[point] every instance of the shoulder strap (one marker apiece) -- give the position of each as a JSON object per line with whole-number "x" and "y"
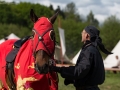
{"x": 10, "y": 58}
{"x": 20, "y": 42}
{"x": 12, "y": 54}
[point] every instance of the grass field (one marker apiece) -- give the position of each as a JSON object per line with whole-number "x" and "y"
{"x": 112, "y": 82}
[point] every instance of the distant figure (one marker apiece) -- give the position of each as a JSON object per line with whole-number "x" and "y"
{"x": 118, "y": 63}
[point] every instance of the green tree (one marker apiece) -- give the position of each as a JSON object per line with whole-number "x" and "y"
{"x": 14, "y": 18}
{"x": 7, "y": 29}
{"x": 91, "y": 20}
{"x": 19, "y": 13}
{"x": 71, "y": 12}
{"x": 22, "y": 10}
{"x": 51, "y": 7}
{"x": 110, "y": 32}
{"x": 5, "y": 13}
{"x": 61, "y": 13}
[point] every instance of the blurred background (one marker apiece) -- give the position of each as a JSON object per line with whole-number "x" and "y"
{"x": 73, "y": 17}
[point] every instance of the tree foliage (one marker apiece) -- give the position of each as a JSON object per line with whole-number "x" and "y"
{"x": 91, "y": 20}
{"x": 14, "y": 18}
{"x": 7, "y": 29}
{"x": 110, "y": 32}
{"x": 71, "y": 12}
{"x": 61, "y": 13}
{"x": 19, "y": 13}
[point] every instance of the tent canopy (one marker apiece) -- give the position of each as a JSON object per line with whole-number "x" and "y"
{"x": 74, "y": 60}
{"x": 2, "y": 40}
{"x": 12, "y": 36}
{"x": 111, "y": 60}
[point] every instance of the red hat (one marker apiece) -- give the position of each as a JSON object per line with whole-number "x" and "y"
{"x": 42, "y": 39}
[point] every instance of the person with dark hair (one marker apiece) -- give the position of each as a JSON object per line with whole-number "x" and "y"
{"x": 89, "y": 71}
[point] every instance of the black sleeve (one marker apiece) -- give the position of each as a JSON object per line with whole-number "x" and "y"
{"x": 81, "y": 69}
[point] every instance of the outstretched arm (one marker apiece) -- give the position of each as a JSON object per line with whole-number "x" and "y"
{"x": 80, "y": 70}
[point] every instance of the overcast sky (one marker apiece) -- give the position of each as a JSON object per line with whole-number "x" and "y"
{"x": 100, "y": 8}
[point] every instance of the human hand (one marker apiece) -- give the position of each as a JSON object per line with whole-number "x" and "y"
{"x": 56, "y": 69}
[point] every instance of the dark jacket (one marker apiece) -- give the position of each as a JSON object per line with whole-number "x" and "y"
{"x": 89, "y": 69}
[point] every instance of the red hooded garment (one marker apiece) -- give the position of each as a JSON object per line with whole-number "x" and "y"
{"x": 40, "y": 27}
{"x": 26, "y": 77}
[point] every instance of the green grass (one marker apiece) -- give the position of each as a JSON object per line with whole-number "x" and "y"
{"x": 112, "y": 82}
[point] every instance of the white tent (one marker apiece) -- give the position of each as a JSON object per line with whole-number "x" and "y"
{"x": 74, "y": 60}
{"x": 2, "y": 40}
{"x": 12, "y": 36}
{"x": 58, "y": 55}
{"x": 110, "y": 60}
